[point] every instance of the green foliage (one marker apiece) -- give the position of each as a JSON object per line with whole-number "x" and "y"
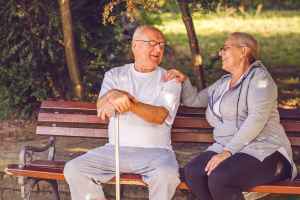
{"x": 99, "y": 46}
{"x": 32, "y": 65}
{"x": 27, "y": 50}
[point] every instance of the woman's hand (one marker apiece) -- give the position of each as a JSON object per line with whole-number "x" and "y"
{"x": 216, "y": 160}
{"x": 175, "y": 74}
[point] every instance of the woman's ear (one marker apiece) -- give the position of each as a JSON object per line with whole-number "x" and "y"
{"x": 246, "y": 52}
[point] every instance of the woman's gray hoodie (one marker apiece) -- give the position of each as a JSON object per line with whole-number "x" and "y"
{"x": 249, "y": 121}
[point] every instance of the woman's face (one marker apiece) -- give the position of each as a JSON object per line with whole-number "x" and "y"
{"x": 231, "y": 54}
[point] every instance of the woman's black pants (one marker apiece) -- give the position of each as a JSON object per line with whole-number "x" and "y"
{"x": 234, "y": 175}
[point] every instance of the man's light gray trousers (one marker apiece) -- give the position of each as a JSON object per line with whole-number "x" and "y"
{"x": 157, "y": 166}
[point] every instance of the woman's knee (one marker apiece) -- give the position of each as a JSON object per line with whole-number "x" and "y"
{"x": 193, "y": 170}
{"x": 219, "y": 179}
{"x": 190, "y": 171}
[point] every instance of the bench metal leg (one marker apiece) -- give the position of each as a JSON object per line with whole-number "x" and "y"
{"x": 27, "y": 185}
{"x": 54, "y": 186}
{"x": 189, "y": 195}
{"x": 122, "y": 191}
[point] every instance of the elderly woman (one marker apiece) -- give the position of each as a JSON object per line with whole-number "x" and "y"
{"x": 251, "y": 147}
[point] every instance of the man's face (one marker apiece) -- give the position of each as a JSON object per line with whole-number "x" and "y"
{"x": 148, "y": 50}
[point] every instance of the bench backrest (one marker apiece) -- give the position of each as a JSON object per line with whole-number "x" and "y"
{"x": 69, "y": 118}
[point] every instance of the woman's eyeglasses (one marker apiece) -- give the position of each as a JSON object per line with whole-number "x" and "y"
{"x": 226, "y": 48}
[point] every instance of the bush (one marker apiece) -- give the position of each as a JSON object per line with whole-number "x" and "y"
{"x": 33, "y": 67}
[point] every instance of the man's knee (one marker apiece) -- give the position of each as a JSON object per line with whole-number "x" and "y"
{"x": 167, "y": 175}
{"x": 71, "y": 169}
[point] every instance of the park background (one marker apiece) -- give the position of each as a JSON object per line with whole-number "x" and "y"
{"x": 33, "y": 65}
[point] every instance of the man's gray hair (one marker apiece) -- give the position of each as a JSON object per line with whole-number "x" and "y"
{"x": 140, "y": 30}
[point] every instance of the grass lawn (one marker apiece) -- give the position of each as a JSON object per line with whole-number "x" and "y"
{"x": 278, "y": 33}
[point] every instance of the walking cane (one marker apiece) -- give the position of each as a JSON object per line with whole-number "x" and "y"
{"x": 117, "y": 155}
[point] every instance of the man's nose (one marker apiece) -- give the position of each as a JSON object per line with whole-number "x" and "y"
{"x": 158, "y": 47}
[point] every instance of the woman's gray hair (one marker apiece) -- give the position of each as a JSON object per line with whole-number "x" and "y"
{"x": 247, "y": 40}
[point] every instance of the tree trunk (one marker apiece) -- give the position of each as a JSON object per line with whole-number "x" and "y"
{"x": 193, "y": 42}
{"x": 69, "y": 48}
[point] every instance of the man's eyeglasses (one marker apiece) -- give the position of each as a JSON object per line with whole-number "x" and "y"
{"x": 153, "y": 43}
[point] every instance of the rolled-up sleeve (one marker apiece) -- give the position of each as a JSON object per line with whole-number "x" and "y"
{"x": 169, "y": 98}
{"x": 108, "y": 83}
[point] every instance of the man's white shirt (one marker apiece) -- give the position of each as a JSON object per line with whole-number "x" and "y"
{"x": 149, "y": 88}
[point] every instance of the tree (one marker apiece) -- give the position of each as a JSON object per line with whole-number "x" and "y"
{"x": 149, "y": 5}
{"x": 70, "y": 52}
{"x": 193, "y": 42}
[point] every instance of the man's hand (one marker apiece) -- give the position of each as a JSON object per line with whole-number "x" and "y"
{"x": 175, "y": 74}
{"x": 121, "y": 101}
{"x": 106, "y": 111}
{"x": 216, "y": 160}
{"x": 114, "y": 101}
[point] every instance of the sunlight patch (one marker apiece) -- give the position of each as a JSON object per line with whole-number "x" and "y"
{"x": 262, "y": 83}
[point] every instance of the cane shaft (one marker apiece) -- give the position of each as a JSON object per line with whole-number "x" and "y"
{"x": 117, "y": 157}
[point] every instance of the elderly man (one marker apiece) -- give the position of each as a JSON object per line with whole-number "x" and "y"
{"x": 147, "y": 107}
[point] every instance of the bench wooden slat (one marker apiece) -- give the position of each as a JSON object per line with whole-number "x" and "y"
{"x": 69, "y": 105}
{"x": 76, "y": 132}
{"x": 76, "y": 105}
{"x": 70, "y": 118}
{"x": 205, "y": 137}
{"x": 279, "y": 188}
{"x": 52, "y": 118}
{"x": 177, "y": 135}
{"x": 35, "y": 172}
{"x": 180, "y": 121}
{"x": 289, "y": 113}
{"x": 134, "y": 179}
{"x": 291, "y": 125}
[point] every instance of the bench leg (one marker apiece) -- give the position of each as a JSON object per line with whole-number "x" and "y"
{"x": 26, "y": 187}
{"x": 54, "y": 186}
{"x": 27, "y": 184}
{"x": 189, "y": 195}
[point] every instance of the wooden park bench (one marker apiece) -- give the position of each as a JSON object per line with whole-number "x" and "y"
{"x": 78, "y": 119}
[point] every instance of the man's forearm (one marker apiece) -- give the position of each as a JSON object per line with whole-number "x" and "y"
{"x": 153, "y": 114}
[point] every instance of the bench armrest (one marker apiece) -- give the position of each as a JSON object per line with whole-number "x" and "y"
{"x": 27, "y": 152}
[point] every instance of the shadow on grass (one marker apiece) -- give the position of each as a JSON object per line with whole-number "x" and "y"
{"x": 276, "y": 50}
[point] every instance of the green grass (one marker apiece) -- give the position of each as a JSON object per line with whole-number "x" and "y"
{"x": 278, "y": 33}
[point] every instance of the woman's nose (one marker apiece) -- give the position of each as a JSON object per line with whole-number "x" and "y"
{"x": 220, "y": 53}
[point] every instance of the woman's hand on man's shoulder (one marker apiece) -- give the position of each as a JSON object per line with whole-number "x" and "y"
{"x": 175, "y": 74}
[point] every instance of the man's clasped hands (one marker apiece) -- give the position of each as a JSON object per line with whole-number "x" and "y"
{"x": 114, "y": 101}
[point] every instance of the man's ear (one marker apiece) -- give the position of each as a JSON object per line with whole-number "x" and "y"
{"x": 133, "y": 46}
